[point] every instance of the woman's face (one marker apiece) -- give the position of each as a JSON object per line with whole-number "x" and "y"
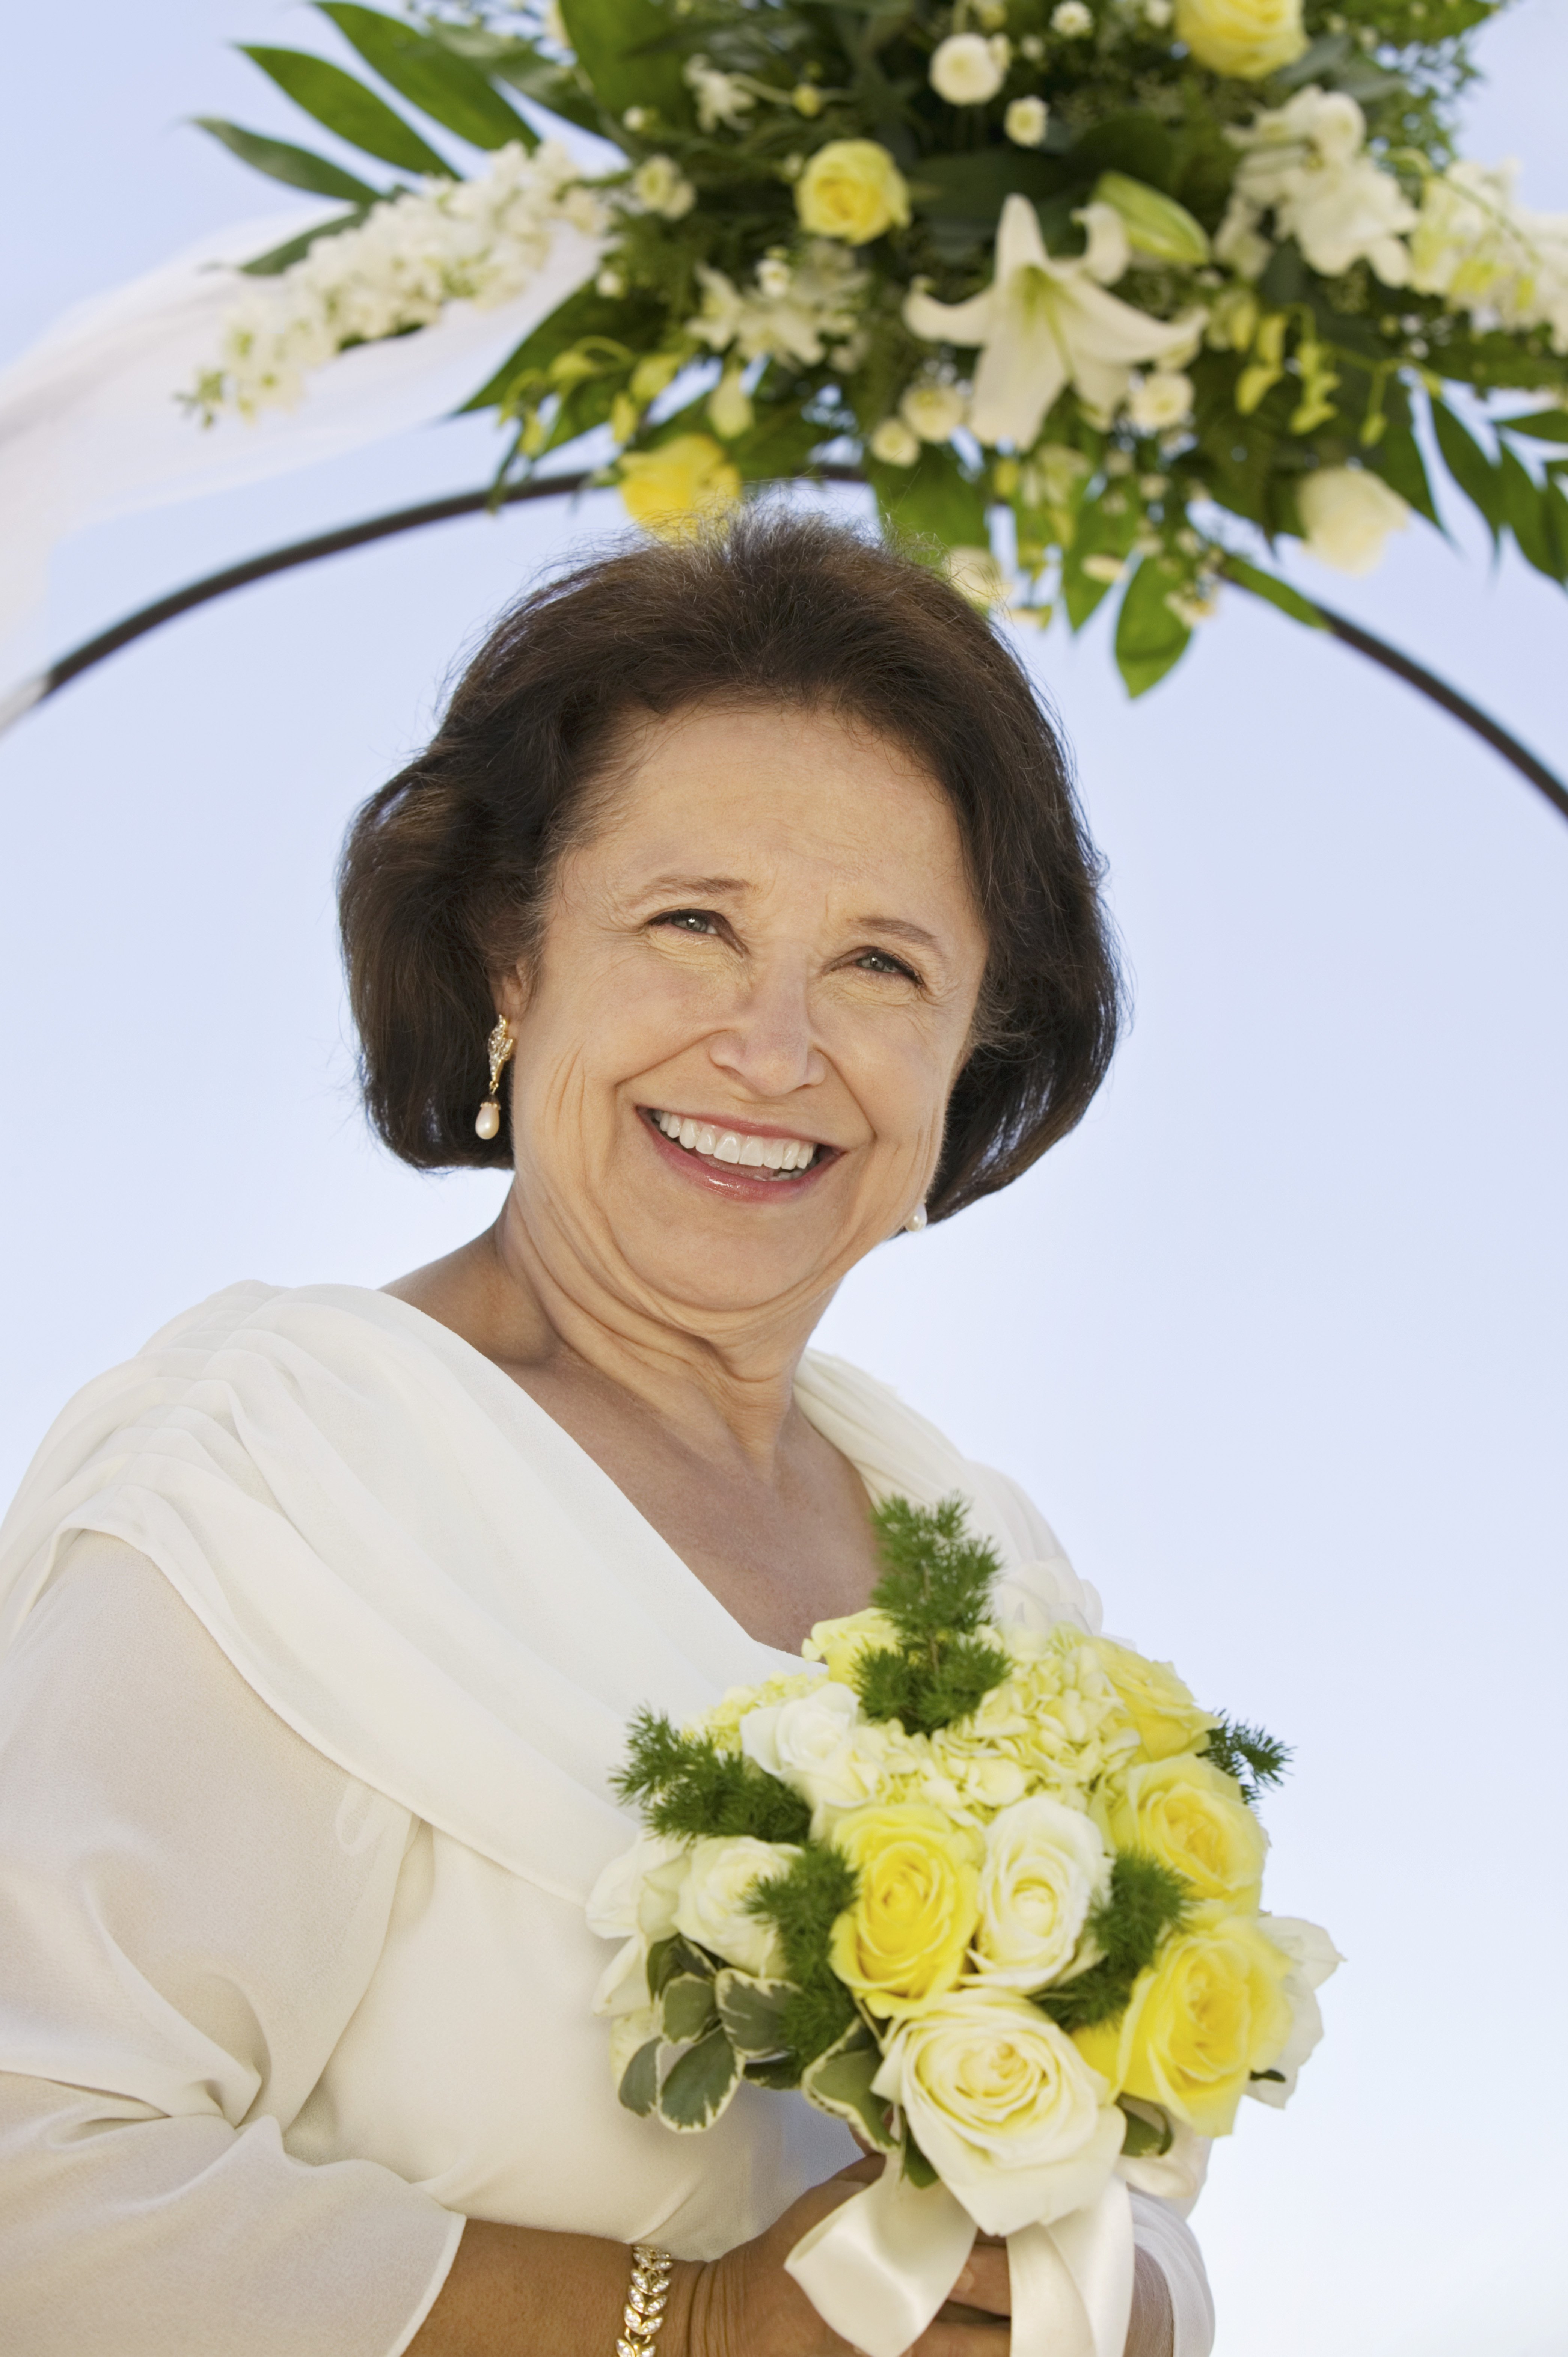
{"x": 753, "y": 992}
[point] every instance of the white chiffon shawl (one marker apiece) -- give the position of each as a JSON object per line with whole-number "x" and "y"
{"x": 455, "y": 1612}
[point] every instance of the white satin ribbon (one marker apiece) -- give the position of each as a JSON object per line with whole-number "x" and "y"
{"x": 879, "y": 2267}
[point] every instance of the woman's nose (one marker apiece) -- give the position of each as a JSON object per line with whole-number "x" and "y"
{"x": 768, "y": 1043}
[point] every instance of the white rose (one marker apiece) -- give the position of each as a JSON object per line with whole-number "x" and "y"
{"x": 934, "y": 410}
{"x": 722, "y": 1875}
{"x": 634, "y": 1901}
{"x": 1004, "y": 2107}
{"x": 1025, "y": 121}
{"x": 1312, "y": 1956}
{"x": 1349, "y": 513}
{"x": 893, "y": 444}
{"x": 809, "y": 1745}
{"x": 967, "y": 68}
{"x": 1046, "y": 1866}
{"x": 1072, "y": 20}
{"x": 1163, "y": 399}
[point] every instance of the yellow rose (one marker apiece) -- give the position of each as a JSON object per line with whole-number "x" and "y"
{"x": 1190, "y": 1815}
{"x": 838, "y": 1643}
{"x": 1211, "y": 2011}
{"x": 903, "y": 1942}
{"x": 852, "y": 189}
{"x": 1154, "y": 1699}
{"x": 673, "y": 490}
{"x": 1248, "y": 38}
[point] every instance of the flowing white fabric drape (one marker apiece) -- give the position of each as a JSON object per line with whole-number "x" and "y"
{"x": 92, "y": 425}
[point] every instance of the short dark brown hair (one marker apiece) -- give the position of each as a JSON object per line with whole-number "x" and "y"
{"x": 447, "y": 870}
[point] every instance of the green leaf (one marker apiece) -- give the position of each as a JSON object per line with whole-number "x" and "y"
{"x": 840, "y": 2081}
{"x": 1150, "y": 2134}
{"x": 1527, "y": 516}
{"x": 1469, "y": 465}
{"x": 447, "y": 88}
{"x": 1136, "y": 143}
{"x": 297, "y": 167}
{"x": 1150, "y": 639}
{"x": 639, "y": 2079}
{"x": 1556, "y": 508}
{"x": 666, "y": 1958}
{"x": 615, "y": 44}
{"x": 1542, "y": 424}
{"x": 686, "y": 2007}
{"x": 702, "y": 2084}
{"x": 752, "y": 2012}
{"x": 283, "y": 257}
{"x": 1396, "y": 457}
{"x": 973, "y": 188}
{"x": 932, "y": 499}
{"x": 1278, "y": 593}
{"x": 347, "y": 107}
{"x": 917, "y": 2168}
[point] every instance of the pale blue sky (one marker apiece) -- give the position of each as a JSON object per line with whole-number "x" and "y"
{"x": 1277, "y": 1339}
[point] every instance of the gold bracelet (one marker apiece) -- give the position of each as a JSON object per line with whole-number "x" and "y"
{"x": 645, "y": 2300}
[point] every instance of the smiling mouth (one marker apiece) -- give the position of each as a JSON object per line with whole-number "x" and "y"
{"x": 741, "y": 1149}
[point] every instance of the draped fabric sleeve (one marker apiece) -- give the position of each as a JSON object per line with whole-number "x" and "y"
{"x": 192, "y": 1902}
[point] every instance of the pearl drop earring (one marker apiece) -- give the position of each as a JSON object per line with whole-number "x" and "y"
{"x": 500, "y": 1046}
{"x": 917, "y": 1219}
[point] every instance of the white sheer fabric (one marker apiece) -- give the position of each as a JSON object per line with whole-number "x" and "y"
{"x": 90, "y": 425}
{"x": 293, "y": 1973}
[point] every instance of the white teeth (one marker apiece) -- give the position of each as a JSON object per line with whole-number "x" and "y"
{"x": 753, "y": 1153}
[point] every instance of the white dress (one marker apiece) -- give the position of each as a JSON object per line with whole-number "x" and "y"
{"x": 318, "y": 1640}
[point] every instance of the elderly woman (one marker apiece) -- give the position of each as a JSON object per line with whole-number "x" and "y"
{"x": 742, "y": 910}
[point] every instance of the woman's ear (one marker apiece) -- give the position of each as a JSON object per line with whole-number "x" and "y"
{"x": 512, "y": 991}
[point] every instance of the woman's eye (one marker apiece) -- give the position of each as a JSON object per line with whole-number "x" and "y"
{"x": 689, "y": 921}
{"x": 879, "y": 961}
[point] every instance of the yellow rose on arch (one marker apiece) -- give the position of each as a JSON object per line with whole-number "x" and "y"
{"x": 1190, "y": 1815}
{"x": 852, "y": 189}
{"x": 673, "y": 490}
{"x": 1247, "y": 38}
{"x": 1210, "y": 2012}
{"x": 903, "y": 1941}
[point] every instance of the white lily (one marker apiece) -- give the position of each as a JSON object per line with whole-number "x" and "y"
{"x": 1044, "y": 323}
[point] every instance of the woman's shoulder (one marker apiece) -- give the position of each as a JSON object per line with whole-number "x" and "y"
{"x": 899, "y": 1452}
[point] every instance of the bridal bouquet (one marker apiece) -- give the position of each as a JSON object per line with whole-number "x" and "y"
{"x": 1078, "y": 286}
{"x": 991, "y": 1896}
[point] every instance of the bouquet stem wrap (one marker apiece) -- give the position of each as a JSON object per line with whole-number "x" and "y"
{"x": 880, "y": 2265}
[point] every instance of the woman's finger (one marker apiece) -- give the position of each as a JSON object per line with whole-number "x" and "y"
{"x": 983, "y": 2283}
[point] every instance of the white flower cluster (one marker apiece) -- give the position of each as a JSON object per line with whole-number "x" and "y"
{"x": 794, "y": 307}
{"x": 477, "y": 240}
{"x": 1306, "y": 163}
{"x": 1487, "y": 255}
{"x": 1470, "y": 241}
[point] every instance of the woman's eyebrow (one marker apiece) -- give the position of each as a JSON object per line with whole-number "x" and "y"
{"x": 700, "y": 887}
{"x": 899, "y": 929}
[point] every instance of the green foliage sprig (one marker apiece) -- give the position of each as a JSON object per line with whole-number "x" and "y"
{"x": 936, "y": 1591}
{"x": 1256, "y": 1760}
{"x": 1147, "y": 1901}
{"x": 803, "y": 1903}
{"x": 688, "y": 1787}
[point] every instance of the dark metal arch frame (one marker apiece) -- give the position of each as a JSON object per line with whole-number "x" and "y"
{"x": 132, "y": 627}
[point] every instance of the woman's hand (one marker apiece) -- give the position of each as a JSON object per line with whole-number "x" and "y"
{"x": 743, "y": 2305}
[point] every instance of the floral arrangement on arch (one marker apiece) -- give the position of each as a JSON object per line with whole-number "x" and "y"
{"x": 1093, "y": 293}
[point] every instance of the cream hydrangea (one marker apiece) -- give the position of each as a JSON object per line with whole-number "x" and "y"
{"x": 1058, "y": 1714}
{"x": 478, "y": 241}
{"x": 1486, "y": 256}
